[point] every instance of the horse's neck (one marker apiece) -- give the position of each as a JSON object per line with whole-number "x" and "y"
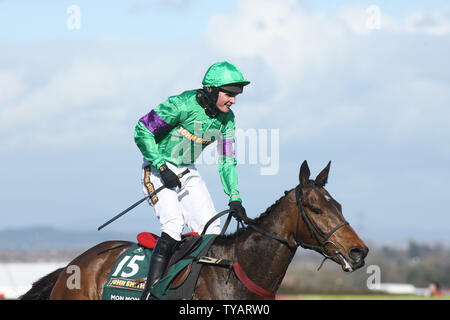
{"x": 265, "y": 259}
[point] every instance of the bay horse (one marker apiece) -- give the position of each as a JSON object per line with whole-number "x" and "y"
{"x": 305, "y": 216}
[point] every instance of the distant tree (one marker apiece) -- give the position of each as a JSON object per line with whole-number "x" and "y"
{"x": 413, "y": 250}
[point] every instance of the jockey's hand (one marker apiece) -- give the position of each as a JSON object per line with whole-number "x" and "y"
{"x": 238, "y": 211}
{"x": 169, "y": 178}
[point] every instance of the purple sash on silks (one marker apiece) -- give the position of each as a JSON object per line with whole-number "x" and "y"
{"x": 155, "y": 123}
{"x": 225, "y": 147}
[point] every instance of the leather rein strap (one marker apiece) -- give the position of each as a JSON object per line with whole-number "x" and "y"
{"x": 313, "y": 229}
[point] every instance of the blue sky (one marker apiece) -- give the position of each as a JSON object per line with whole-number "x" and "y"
{"x": 373, "y": 101}
{"x": 30, "y": 21}
{"x": 152, "y": 20}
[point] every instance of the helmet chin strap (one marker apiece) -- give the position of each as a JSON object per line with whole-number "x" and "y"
{"x": 208, "y": 100}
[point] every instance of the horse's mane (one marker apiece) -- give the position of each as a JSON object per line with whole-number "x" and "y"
{"x": 226, "y": 238}
{"x": 270, "y": 209}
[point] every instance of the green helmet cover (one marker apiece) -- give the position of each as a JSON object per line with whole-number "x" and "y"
{"x": 223, "y": 73}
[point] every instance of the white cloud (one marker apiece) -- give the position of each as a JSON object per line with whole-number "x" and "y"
{"x": 288, "y": 39}
{"x": 94, "y": 94}
{"x": 82, "y": 84}
{"x": 85, "y": 86}
{"x": 363, "y": 20}
{"x": 435, "y": 23}
{"x": 335, "y": 72}
{"x": 311, "y": 74}
{"x": 11, "y": 85}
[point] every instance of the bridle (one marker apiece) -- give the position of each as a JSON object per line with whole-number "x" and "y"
{"x": 321, "y": 237}
{"x": 323, "y": 240}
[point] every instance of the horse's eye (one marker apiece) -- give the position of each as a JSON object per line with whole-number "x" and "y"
{"x": 316, "y": 210}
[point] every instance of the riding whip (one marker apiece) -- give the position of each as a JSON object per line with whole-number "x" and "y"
{"x": 180, "y": 175}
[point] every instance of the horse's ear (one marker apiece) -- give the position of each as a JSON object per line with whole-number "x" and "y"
{"x": 322, "y": 177}
{"x": 304, "y": 174}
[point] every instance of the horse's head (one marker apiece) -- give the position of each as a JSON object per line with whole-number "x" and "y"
{"x": 323, "y": 228}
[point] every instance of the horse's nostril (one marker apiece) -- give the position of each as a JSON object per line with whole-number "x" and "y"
{"x": 357, "y": 254}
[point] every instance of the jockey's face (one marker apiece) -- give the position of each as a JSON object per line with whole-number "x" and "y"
{"x": 225, "y": 100}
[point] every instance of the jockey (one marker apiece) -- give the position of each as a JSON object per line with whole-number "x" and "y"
{"x": 170, "y": 138}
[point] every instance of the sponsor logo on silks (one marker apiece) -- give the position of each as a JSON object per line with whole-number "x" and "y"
{"x": 185, "y": 133}
{"x": 126, "y": 284}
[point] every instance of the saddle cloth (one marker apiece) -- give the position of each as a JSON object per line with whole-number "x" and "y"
{"x": 128, "y": 275}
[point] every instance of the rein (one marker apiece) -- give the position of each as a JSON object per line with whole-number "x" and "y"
{"x": 313, "y": 229}
{"x": 316, "y": 232}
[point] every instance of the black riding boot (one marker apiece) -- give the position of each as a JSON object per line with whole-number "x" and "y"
{"x": 158, "y": 262}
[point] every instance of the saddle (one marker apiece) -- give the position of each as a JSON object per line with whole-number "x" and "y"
{"x": 127, "y": 278}
{"x": 189, "y": 242}
{"x": 180, "y": 277}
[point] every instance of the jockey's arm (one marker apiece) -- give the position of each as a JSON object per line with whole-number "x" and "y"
{"x": 145, "y": 140}
{"x": 227, "y": 162}
{"x": 159, "y": 120}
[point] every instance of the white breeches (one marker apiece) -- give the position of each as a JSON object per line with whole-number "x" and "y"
{"x": 190, "y": 205}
